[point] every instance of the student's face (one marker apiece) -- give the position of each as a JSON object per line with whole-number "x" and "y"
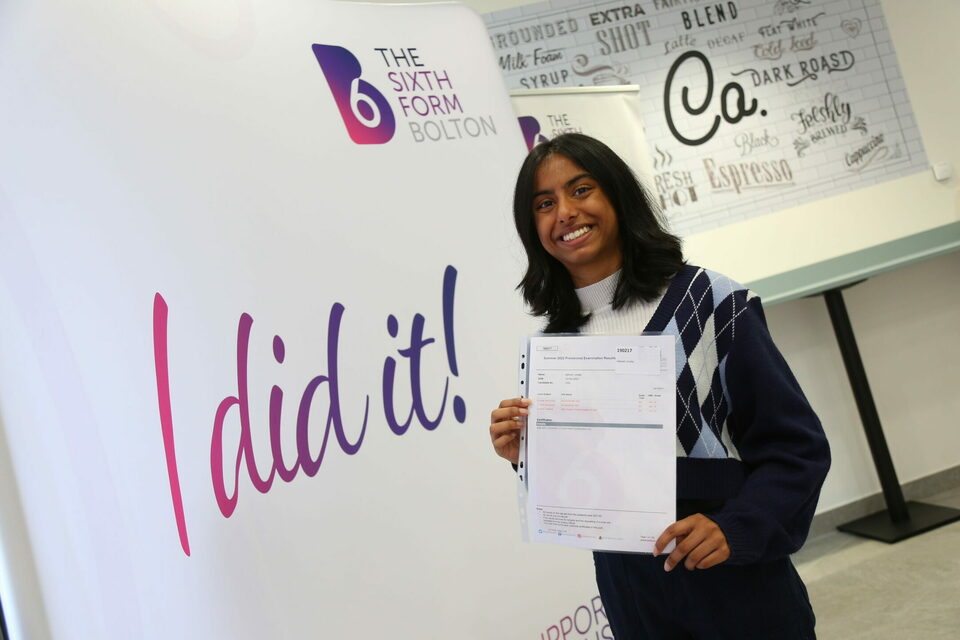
{"x": 575, "y": 221}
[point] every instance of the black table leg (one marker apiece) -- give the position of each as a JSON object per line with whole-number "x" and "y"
{"x": 900, "y": 519}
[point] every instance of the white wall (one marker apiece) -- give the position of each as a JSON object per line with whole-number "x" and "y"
{"x": 906, "y": 320}
{"x": 906, "y": 325}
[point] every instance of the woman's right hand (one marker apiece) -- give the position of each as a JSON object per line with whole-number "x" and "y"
{"x": 505, "y": 424}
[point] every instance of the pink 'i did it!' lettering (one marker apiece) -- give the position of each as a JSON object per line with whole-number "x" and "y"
{"x": 326, "y": 384}
{"x": 166, "y": 414}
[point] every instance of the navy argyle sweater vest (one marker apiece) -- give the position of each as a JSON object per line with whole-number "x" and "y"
{"x": 746, "y": 436}
{"x": 704, "y": 310}
{"x": 745, "y": 432}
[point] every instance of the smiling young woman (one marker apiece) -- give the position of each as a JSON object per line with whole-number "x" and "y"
{"x": 751, "y": 454}
{"x": 648, "y": 255}
{"x": 576, "y": 223}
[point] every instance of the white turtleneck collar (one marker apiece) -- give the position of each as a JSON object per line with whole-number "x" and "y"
{"x": 597, "y": 300}
{"x": 599, "y": 294}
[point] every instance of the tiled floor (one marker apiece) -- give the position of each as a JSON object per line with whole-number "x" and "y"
{"x": 866, "y": 589}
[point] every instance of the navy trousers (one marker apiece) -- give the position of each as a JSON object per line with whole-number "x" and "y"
{"x": 752, "y": 602}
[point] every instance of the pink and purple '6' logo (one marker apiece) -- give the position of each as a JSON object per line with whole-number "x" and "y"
{"x": 365, "y": 112}
{"x": 530, "y": 127}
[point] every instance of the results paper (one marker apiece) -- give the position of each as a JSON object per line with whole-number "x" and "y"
{"x": 599, "y": 447}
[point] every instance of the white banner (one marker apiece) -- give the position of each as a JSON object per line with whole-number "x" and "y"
{"x": 610, "y": 114}
{"x": 256, "y": 288}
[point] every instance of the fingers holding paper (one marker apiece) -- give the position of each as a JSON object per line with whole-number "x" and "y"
{"x": 701, "y": 543}
{"x": 505, "y": 424}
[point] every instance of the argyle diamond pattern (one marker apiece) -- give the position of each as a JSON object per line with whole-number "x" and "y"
{"x": 705, "y": 324}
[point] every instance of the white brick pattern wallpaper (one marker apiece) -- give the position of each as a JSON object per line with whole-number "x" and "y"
{"x": 749, "y": 106}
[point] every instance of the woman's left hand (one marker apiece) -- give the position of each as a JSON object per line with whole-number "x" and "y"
{"x": 699, "y": 540}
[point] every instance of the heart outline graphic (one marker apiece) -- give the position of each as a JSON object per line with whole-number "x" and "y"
{"x": 851, "y": 27}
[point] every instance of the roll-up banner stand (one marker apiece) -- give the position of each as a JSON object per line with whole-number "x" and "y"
{"x": 609, "y": 113}
{"x": 257, "y": 270}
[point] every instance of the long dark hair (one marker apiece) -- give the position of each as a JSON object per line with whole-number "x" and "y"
{"x": 651, "y": 255}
